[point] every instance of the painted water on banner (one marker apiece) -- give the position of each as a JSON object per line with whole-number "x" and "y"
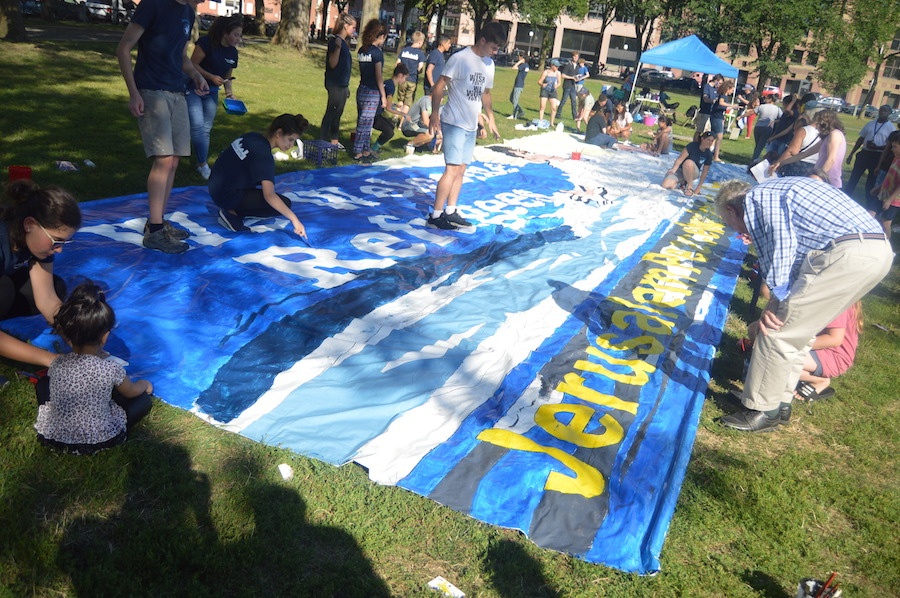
{"x": 451, "y": 363}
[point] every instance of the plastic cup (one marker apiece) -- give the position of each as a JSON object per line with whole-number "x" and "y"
{"x": 576, "y": 155}
{"x": 410, "y": 149}
{"x": 17, "y": 173}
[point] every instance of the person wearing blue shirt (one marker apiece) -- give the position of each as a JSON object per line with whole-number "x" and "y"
{"x": 242, "y": 182}
{"x": 370, "y": 93}
{"x": 338, "y": 65}
{"x": 160, "y": 29}
{"x": 413, "y": 58}
{"x": 708, "y": 97}
{"x": 383, "y": 123}
{"x": 694, "y": 160}
{"x": 521, "y": 68}
{"x": 215, "y": 56}
{"x": 436, "y": 62}
{"x": 819, "y": 253}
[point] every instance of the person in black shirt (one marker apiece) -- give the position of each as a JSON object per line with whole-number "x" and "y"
{"x": 687, "y": 165}
{"x": 569, "y": 74}
{"x": 242, "y": 182}
{"x": 338, "y": 65}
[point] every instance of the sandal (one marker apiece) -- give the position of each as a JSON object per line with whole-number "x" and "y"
{"x": 808, "y": 393}
{"x": 689, "y": 192}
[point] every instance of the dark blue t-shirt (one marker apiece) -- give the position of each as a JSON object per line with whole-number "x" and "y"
{"x": 710, "y": 91}
{"x": 218, "y": 60}
{"x": 411, "y": 57}
{"x": 520, "y": 76}
{"x": 368, "y": 58}
{"x": 699, "y": 157}
{"x": 437, "y": 59}
{"x": 389, "y": 90}
{"x": 167, "y": 28}
{"x": 339, "y": 76}
{"x": 241, "y": 166}
{"x": 718, "y": 110}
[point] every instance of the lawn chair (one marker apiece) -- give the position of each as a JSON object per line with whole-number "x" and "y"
{"x": 689, "y": 117}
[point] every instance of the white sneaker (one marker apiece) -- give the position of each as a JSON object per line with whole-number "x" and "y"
{"x": 510, "y": 117}
{"x": 204, "y": 171}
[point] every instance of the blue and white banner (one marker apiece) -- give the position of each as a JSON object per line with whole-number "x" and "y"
{"x": 542, "y": 371}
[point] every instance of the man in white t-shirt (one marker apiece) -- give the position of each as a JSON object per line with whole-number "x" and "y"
{"x": 467, "y": 80}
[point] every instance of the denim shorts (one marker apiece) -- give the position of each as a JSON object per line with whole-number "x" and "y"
{"x": 458, "y": 144}
{"x": 717, "y": 125}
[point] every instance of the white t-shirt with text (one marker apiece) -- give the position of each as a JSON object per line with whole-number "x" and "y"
{"x": 470, "y": 76}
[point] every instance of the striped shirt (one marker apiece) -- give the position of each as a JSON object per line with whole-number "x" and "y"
{"x": 791, "y": 216}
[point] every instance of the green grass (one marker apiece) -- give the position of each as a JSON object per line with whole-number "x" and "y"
{"x": 186, "y": 509}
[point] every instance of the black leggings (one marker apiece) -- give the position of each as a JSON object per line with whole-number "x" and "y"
{"x": 253, "y": 203}
{"x": 331, "y": 121}
{"x": 17, "y": 296}
{"x": 386, "y": 126}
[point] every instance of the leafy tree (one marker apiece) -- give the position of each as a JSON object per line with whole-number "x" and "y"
{"x": 644, "y": 14}
{"x": 695, "y": 17}
{"x": 483, "y": 11}
{"x": 858, "y": 41}
{"x": 605, "y": 12}
{"x": 774, "y": 28}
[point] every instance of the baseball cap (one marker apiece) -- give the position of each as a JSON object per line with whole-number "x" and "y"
{"x": 554, "y": 62}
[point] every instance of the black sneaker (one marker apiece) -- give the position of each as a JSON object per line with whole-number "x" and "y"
{"x": 160, "y": 241}
{"x": 441, "y": 222}
{"x": 784, "y": 414}
{"x": 457, "y": 220}
{"x": 232, "y": 222}
{"x": 179, "y": 234}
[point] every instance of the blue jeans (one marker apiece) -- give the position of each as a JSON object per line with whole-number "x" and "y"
{"x": 202, "y": 112}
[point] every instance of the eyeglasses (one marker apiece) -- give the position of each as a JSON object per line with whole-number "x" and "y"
{"x": 57, "y": 244}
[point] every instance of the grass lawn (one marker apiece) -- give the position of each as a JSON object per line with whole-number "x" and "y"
{"x": 186, "y": 509}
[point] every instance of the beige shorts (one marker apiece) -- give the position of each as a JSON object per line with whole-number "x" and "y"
{"x": 701, "y": 122}
{"x": 165, "y": 128}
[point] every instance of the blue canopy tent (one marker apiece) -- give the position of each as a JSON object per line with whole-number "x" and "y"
{"x": 688, "y": 53}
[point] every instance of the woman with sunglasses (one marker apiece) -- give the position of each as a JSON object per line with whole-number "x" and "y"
{"x": 35, "y": 224}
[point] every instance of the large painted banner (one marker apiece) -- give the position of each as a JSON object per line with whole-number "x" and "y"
{"x": 542, "y": 371}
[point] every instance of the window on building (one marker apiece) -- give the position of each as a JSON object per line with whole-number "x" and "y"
{"x": 596, "y": 12}
{"x": 583, "y": 42}
{"x": 812, "y": 58}
{"x": 797, "y": 57}
{"x": 739, "y": 49}
{"x": 892, "y": 67}
{"x": 895, "y": 45}
{"x": 450, "y": 24}
{"x": 622, "y": 51}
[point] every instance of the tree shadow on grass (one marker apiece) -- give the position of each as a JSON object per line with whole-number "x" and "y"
{"x": 169, "y": 538}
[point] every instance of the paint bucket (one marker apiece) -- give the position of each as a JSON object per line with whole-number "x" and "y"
{"x": 17, "y": 173}
{"x": 650, "y": 120}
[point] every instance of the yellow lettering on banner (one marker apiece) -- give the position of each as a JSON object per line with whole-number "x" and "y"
{"x": 627, "y": 303}
{"x": 691, "y": 243}
{"x": 661, "y": 275}
{"x": 574, "y": 431}
{"x": 700, "y": 234}
{"x": 658, "y": 296}
{"x": 643, "y": 321}
{"x": 573, "y": 385}
{"x": 641, "y": 369}
{"x": 667, "y": 260}
{"x": 587, "y": 481}
{"x": 653, "y": 346}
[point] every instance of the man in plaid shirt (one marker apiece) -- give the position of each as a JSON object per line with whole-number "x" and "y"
{"x": 819, "y": 252}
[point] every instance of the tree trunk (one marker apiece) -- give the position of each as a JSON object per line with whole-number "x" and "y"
{"x": 293, "y": 31}
{"x": 260, "y": 25}
{"x": 404, "y": 24}
{"x": 326, "y": 25}
{"x": 369, "y": 11}
{"x": 12, "y": 25}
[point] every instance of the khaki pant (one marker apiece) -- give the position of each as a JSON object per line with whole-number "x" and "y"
{"x": 829, "y": 281}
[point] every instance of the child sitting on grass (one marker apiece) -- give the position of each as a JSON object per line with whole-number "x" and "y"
{"x": 662, "y": 139}
{"x": 87, "y": 403}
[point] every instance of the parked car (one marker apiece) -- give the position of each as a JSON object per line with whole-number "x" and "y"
{"x": 110, "y": 11}
{"x": 30, "y": 8}
{"x": 894, "y": 117}
{"x": 771, "y": 90}
{"x": 834, "y": 103}
{"x": 205, "y": 21}
{"x": 688, "y": 84}
{"x": 65, "y": 10}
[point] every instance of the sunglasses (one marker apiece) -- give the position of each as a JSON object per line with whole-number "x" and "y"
{"x": 57, "y": 244}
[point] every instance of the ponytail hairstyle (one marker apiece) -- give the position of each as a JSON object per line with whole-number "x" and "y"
{"x": 343, "y": 20}
{"x": 51, "y": 207}
{"x": 289, "y": 124}
{"x": 85, "y": 316}
{"x": 222, "y": 26}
